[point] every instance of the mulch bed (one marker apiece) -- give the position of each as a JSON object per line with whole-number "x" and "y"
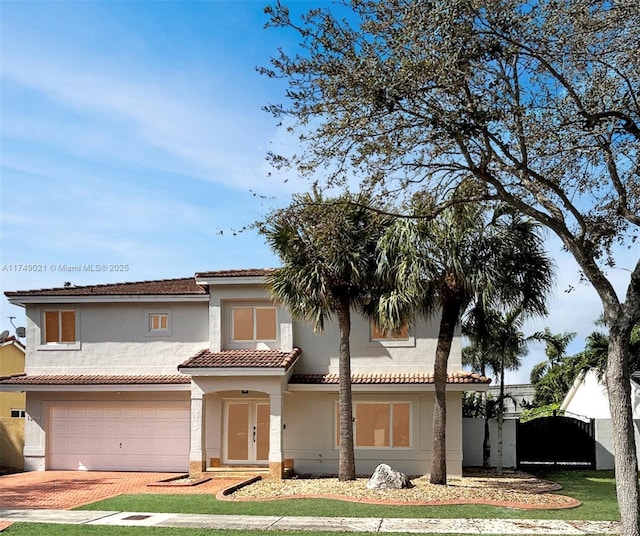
{"x": 514, "y": 490}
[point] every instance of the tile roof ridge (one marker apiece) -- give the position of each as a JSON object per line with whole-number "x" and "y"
{"x": 100, "y": 285}
{"x": 235, "y": 272}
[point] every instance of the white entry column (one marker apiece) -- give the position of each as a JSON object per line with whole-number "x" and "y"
{"x": 196, "y": 451}
{"x": 276, "y": 455}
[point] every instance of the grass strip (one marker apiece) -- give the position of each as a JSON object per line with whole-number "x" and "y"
{"x": 595, "y": 489}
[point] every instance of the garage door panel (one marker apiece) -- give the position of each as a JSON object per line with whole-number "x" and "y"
{"x": 120, "y": 438}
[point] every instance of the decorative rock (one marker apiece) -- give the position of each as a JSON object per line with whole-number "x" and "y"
{"x": 386, "y": 478}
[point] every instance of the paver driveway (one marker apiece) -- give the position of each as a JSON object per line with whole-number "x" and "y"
{"x": 68, "y": 489}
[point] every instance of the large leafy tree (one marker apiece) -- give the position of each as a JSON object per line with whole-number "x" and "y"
{"x": 538, "y": 102}
{"x": 327, "y": 247}
{"x": 439, "y": 266}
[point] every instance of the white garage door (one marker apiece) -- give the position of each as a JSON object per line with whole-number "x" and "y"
{"x": 120, "y": 438}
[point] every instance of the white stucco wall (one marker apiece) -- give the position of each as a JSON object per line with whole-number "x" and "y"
{"x": 310, "y": 427}
{"x": 320, "y": 351}
{"x": 473, "y": 437}
{"x": 590, "y": 399}
{"x": 604, "y": 443}
{"x": 113, "y": 339}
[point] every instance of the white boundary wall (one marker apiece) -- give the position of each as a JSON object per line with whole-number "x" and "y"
{"x": 473, "y": 433}
{"x": 604, "y": 443}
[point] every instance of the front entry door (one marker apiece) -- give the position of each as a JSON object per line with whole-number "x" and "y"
{"x": 247, "y": 432}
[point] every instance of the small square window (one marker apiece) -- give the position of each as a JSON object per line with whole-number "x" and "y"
{"x": 158, "y": 323}
{"x": 18, "y": 413}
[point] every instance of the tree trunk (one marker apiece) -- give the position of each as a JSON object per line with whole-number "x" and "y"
{"x": 486, "y": 441}
{"x": 448, "y": 322}
{"x": 347, "y": 463}
{"x": 620, "y": 319}
{"x": 625, "y": 457}
{"x": 500, "y": 420}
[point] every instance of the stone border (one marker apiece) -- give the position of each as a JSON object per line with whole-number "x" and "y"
{"x": 172, "y": 482}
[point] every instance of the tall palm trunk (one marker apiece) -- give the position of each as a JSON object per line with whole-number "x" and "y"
{"x": 346, "y": 464}
{"x": 500, "y": 419}
{"x": 450, "y": 315}
{"x": 486, "y": 440}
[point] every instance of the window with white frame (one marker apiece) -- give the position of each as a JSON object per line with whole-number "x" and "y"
{"x": 59, "y": 327}
{"x": 158, "y": 322}
{"x": 379, "y": 334}
{"x": 253, "y": 323}
{"x": 379, "y": 425}
{"x": 18, "y": 413}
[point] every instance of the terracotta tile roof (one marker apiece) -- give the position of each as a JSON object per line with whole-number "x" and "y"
{"x": 243, "y": 359}
{"x": 183, "y": 286}
{"x": 94, "y": 379}
{"x": 249, "y": 272}
{"x": 388, "y": 379}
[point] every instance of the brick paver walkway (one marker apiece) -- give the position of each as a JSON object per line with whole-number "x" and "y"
{"x": 63, "y": 490}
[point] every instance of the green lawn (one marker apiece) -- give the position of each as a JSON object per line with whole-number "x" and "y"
{"x": 595, "y": 489}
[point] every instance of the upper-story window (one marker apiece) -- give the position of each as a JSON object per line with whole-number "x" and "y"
{"x": 59, "y": 327}
{"x": 253, "y": 324}
{"x": 158, "y": 322}
{"x": 379, "y": 334}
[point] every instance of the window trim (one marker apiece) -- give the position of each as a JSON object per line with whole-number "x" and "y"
{"x": 253, "y": 308}
{"x": 354, "y": 412}
{"x": 148, "y": 313}
{"x": 42, "y": 345}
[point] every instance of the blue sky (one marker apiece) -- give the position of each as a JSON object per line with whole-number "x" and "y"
{"x": 132, "y": 134}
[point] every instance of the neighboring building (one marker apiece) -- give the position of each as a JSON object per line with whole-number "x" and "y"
{"x": 204, "y": 372}
{"x": 12, "y": 405}
{"x": 517, "y": 398}
{"x": 588, "y": 396}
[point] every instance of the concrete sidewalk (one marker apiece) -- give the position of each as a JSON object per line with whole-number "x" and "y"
{"x": 382, "y": 525}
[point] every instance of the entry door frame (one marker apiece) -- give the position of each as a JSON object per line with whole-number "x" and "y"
{"x": 257, "y": 432}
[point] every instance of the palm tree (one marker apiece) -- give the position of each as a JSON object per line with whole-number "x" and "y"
{"x": 477, "y": 355}
{"x": 555, "y": 349}
{"x": 497, "y": 343}
{"x": 328, "y": 252}
{"x": 443, "y": 264}
{"x": 554, "y": 382}
{"x": 508, "y": 344}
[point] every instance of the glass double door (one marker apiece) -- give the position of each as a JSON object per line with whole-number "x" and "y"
{"x": 247, "y": 432}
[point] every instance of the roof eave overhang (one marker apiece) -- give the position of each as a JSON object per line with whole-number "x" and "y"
{"x": 115, "y": 298}
{"x": 232, "y": 371}
{"x": 111, "y": 388}
{"x": 390, "y": 387}
{"x": 240, "y": 280}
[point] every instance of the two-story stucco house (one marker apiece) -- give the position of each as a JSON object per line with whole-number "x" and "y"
{"x": 206, "y": 372}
